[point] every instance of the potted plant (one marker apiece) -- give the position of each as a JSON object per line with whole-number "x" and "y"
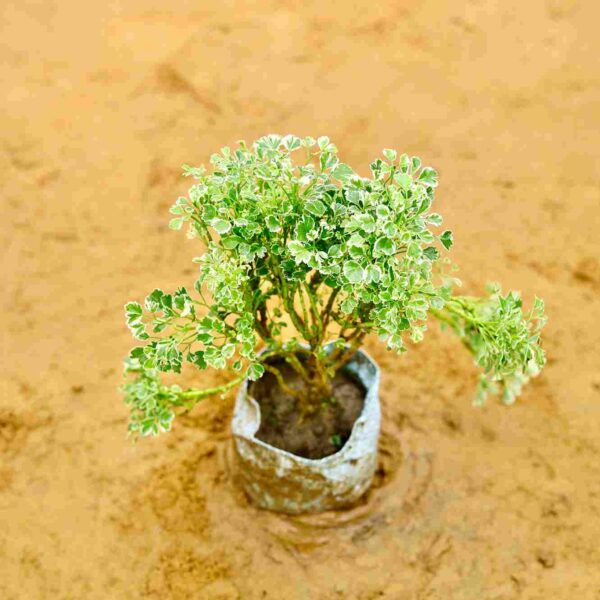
{"x": 301, "y": 259}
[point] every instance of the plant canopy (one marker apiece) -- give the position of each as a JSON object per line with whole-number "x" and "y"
{"x": 302, "y": 258}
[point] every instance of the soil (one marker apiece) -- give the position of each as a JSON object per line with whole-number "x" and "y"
{"x": 101, "y": 104}
{"x": 313, "y": 434}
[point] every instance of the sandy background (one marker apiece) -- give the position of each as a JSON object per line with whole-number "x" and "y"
{"x": 101, "y": 104}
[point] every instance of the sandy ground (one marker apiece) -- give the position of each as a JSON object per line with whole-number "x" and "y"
{"x": 102, "y": 103}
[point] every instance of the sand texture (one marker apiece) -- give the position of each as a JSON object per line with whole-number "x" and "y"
{"x": 101, "y": 104}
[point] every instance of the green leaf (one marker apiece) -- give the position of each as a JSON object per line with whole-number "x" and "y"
{"x": 197, "y": 359}
{"x": 367, "y": 223}
{"x": 383, "y": 212}
{"x": 291, "y": 142}
{"x": 167, "y": 355}
{"x": 137, "y": 353}
{"x": 343, "y": 173}
{"x": 295, "y": 246}
{"x": 139, "y": 332}
{"x": 353, "y": 271}
{"x": 176, "y": 223}
{"x": 153, "y": 301}
{"x": 221, "y": 226}
{"x": 133, "y": 312}
{"x": 426, "y": 236}
{"x": 353, "y": 196}
{"x": 255, "y": 371}
{"x": 209, "y": 212}
{"x": 429, "y": 176}
{"x": 431, "y": 253}
{"x": 357, "y": 240}
{"x": 373, "y": 274}
{"x": 391, "y": 155}
{"x": 413, "y": 250}
{"x": 336, "y": 440}
{"x": 404, "y": 180}
{"x": 305, "y": 228}
{"x": 335, "y": 251}
{"x": 404, "y": 163}
{"x": 183, "y": 302}
{"x": 323, "y": 142}
{"x": 228, "y": 350}
{"x": 195, "y": 172}
{"x": 328, "y": 160}
{"x": 434, "y": 219}
{"x": 273, "y": 224}
{"x": 447, "y": 239}
{"x": 205, "y": 337}
{"x": 385, "y": 246}
{"x": 299, "y": 252}
{"x": 316, "y": 207}
{"x": 179, "y": 208}
{"x": 348, "y": 305}
{"x": 231, "y": 241}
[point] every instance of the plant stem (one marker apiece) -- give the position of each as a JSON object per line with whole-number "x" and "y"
{"x": 300, "y": 291}
{"x": 295, "y": 363}
{"x": 282, "y": 384}
{"x": 196, "y": 395}
{"x": 339, "y": 361}
{"x": 326, "y": 314}
{"x": 316, "y": 316}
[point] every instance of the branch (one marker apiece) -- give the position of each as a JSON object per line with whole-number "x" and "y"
{"x": 282, "y": 384}
{"x": 196, "y": 395}
{"x": 326, "y": 314}
{"x": 340, "y": 361}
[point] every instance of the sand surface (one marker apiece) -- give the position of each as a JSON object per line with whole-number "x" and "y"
{"x": 101, "y": 104}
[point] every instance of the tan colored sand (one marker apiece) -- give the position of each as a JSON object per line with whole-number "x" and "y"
{"x": 102, "y": 103}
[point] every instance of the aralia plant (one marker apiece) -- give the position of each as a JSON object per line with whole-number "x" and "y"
{"x": 301, "y": 258}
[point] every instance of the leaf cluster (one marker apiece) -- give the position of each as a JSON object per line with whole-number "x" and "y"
{"x": 504, "y": 341}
